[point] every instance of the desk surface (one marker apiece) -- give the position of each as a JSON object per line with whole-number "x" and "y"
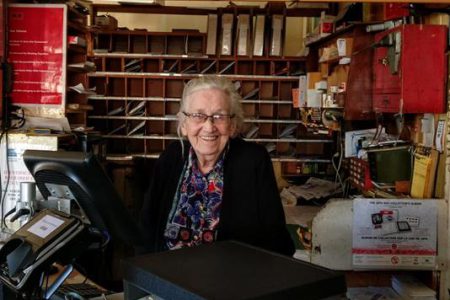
{"x": 229, "y": 270}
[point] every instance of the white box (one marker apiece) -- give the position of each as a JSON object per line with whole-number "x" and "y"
{"x": 18, "y": 172}
{"x": 314, "y": 98}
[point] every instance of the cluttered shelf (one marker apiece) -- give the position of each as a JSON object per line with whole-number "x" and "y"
{"x": 77, "y": 64}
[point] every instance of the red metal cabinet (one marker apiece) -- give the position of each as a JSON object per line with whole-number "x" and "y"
{"x": 419, "y": 84}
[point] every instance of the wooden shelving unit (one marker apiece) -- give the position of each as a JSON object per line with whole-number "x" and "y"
{"x": 140, "y": 79}
{"x": 77, "y": 103}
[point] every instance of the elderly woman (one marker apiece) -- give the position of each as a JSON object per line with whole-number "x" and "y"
{"x": 212, "y": 185}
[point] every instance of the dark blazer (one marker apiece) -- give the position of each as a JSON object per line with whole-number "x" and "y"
{"x": 251, "y": 207}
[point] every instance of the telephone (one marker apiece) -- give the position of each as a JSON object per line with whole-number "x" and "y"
{"x": 35, "y": 246}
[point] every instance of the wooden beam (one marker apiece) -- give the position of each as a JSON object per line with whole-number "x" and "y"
{"x": 176, "y": 10}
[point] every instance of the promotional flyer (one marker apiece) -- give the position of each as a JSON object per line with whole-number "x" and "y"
{"x": 394, "y": 233}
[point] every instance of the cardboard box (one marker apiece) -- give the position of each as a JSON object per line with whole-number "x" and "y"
{"x": 18, "y": 172}
{"x": 258, "y": 40}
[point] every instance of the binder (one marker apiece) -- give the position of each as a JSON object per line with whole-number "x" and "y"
{"x": 212, "y": 35}
{"x": 227, "y": 34}
{"x": 258, "y": 40}
{"x": 243, "y": 35}
{"x": 424, "y": 173}
{"x": 276, "y": 42}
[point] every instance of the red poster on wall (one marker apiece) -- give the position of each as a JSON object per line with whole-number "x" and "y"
{"x": 37, "y": 47}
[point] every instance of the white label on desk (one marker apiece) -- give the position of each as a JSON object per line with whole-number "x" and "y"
{"x": 45, "y": 226}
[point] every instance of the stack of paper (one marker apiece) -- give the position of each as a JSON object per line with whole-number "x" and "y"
{"x": 227, "y": 68}
{"x": 288, "y": 132}
{"x": 79, "y": 88}
{"x": 252, "y": 132}
{"x": 87, "y": 66}
{"x": 209, "y": 68}
{"x": 136, "y": 129}
{"x": 314, "y": 188}
{"x": 136, "y": 108}
{"x": 133, "y": 65}
{"x": 411, "y": 288}
{"x": 116, "y": 111}
{"x": 252, "y": 94}
{"x": 172, "y": 68}
{"x": 118, "y": 129}
{"x": 190, "y": 69}
{"x": 271, "y": 147}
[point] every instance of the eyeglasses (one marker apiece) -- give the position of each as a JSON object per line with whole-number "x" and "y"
{"x": 217, "y": 119}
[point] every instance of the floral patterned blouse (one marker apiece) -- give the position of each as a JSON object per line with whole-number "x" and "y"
{"x": 195, "y": 211}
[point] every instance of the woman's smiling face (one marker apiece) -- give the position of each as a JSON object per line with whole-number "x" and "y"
{"x": 208, "y": 137}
